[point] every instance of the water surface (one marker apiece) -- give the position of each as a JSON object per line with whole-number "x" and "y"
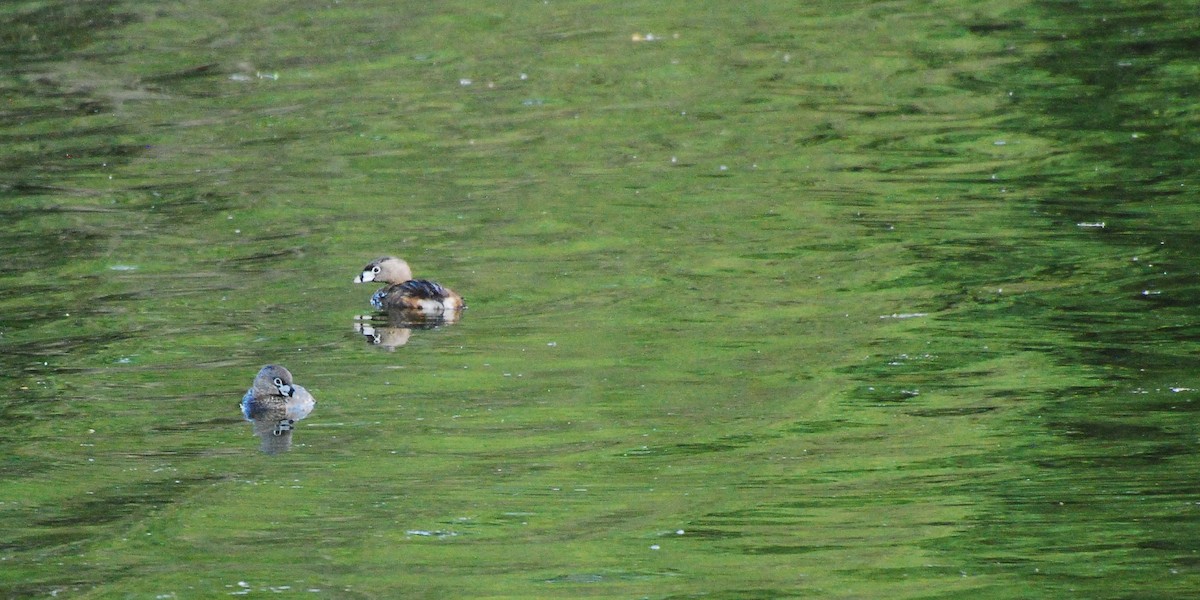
{"x": 849, "y": 300}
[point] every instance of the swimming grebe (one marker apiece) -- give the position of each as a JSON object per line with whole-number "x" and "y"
{"x": 274, "y": 402}
{"x": 406, "y": 293}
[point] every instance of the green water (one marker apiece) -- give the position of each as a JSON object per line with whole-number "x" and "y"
{"x": 767, "y": 299}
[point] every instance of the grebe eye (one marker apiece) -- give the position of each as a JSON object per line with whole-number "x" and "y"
{"x": 375, "y": 269}
{"x": 278, "y": 381}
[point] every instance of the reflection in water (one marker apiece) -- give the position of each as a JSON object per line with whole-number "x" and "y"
{"x": 385, "y": 337}
{"x": 273, "y": 404}
{"x": 393, "y": 329}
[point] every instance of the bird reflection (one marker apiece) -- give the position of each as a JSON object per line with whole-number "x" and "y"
{"x": 392, "y": 329}
{"x": 273, "y": 404}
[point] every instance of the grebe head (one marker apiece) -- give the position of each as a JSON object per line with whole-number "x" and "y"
{"x": 387, "y": 269}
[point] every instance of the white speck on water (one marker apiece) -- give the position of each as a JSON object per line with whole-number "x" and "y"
{"x": 464, "y": 81}
{"x": 654, "y": 546}
{"x": 122, "y": 268}
{"x": 1091, "y": 224}
{"x": 440, "y": 534}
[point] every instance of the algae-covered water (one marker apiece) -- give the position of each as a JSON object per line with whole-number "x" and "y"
{"x": 766, "y": 299}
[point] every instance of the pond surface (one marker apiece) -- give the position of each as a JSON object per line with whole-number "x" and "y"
{"x": 766, "y": 300}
